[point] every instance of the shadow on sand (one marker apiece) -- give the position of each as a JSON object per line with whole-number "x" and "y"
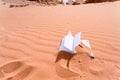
{"x": 64, "y": 55}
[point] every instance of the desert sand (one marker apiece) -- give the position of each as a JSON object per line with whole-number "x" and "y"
{"x": 30, "y": 39}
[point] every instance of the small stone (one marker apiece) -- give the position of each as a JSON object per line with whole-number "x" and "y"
{"x": 4, "y": 3}
{"x": 11, "y": 6}
{"x": 80, "y": 76}
{"x": 79, "y": 61}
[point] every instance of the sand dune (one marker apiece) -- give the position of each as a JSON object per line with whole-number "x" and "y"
{"x": 30, "y": 38}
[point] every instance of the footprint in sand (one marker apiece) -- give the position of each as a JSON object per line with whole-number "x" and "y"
{"x": 15, "y": 71}
{"x": 62, "y": 65}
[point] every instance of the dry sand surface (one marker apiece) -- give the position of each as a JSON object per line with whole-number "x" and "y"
{"x": 30, "y": 38}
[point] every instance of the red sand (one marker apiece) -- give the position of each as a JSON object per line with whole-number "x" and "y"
{"x": 30, "y": 38}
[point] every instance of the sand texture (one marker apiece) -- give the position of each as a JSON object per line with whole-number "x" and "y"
{"x": 30, "y": 38}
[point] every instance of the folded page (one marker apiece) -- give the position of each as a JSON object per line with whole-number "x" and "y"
{"x": 68, "y": 42}
{"x": 87, "y": 43}
{"x": 63, "y": 48}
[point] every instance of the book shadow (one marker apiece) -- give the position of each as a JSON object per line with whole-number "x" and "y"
{"x": 64, "y": 55}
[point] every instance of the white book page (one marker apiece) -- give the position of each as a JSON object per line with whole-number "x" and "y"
{"x": 87, "y": 43}
{"x": 76, "y": 41}
{"x": 63, "y": 48}
{"x": 68, "y": 42}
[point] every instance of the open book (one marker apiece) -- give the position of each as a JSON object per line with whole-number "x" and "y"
{"x": 69, "y": 42}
